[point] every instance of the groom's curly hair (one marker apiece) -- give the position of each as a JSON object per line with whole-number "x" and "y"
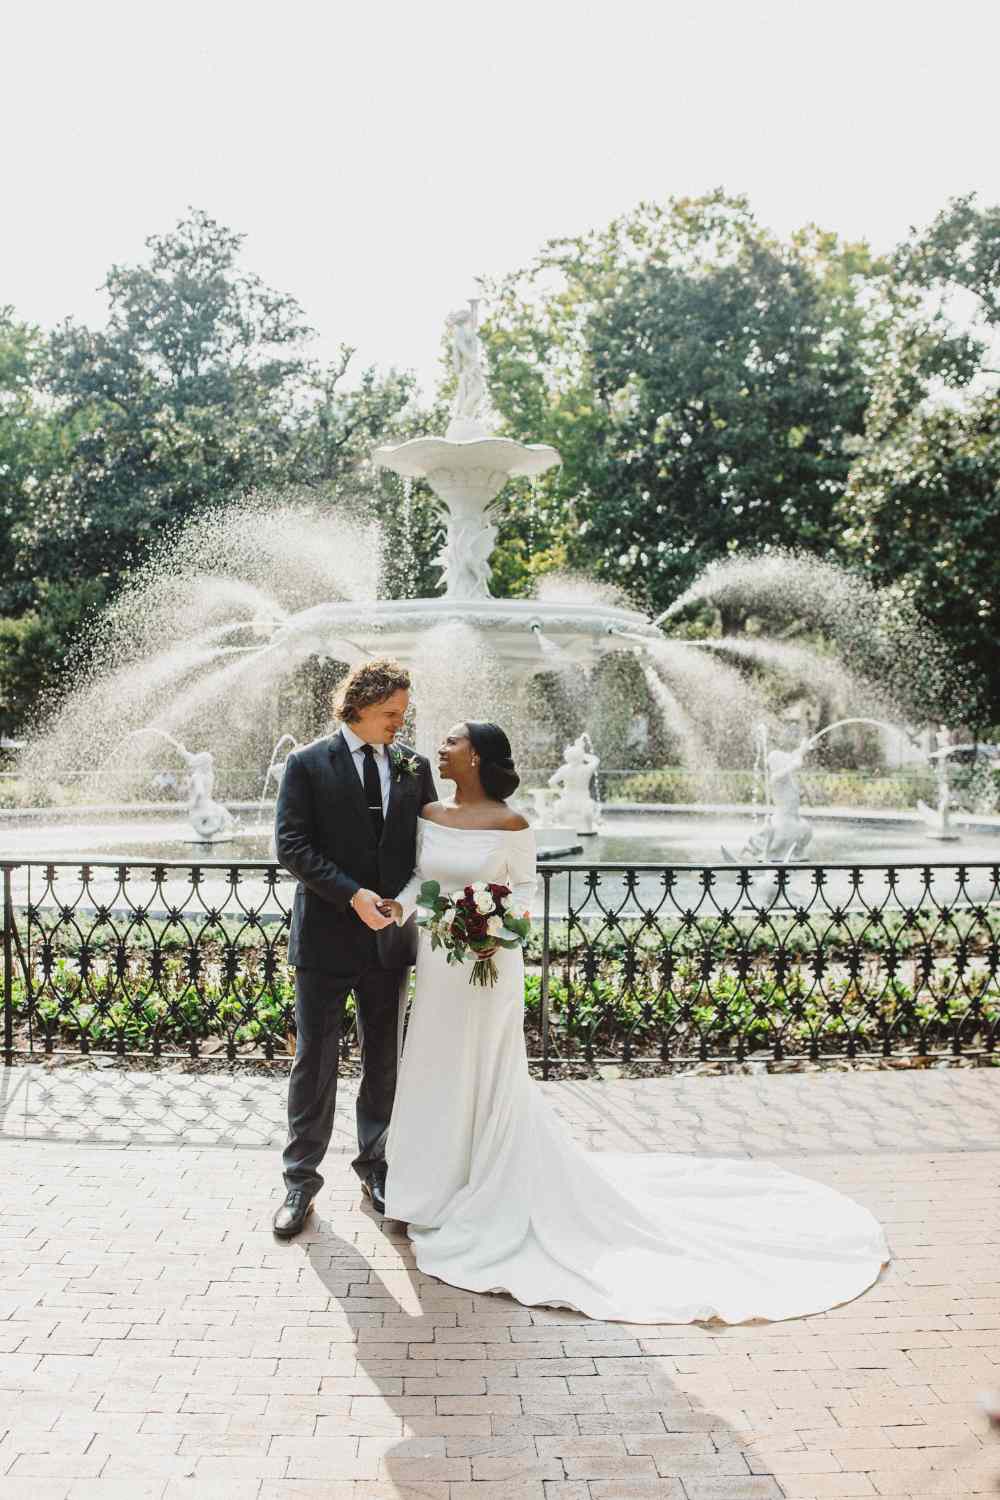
{"x": 371, "y": 682}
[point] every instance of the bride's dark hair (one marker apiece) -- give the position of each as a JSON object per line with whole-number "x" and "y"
{"x": 496, "y": 763}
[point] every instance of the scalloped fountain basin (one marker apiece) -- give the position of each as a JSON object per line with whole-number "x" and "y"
{"x": 392, "y": 627}
{"x": 681, "y": 837}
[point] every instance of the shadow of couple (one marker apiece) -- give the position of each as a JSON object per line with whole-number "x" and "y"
{"x": 428, "y": 1390}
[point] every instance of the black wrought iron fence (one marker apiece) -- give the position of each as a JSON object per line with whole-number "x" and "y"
{"x": 635, "y": 964}
{"x": 652, "y": 964}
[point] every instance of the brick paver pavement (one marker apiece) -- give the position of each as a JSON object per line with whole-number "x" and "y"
{"x": 155, "y": 1340}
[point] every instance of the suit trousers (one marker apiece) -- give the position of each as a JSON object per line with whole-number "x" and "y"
{"x": 320, "y": 998}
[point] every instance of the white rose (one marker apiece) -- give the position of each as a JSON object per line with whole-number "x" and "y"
{"x": 484, "y": 903}
{"x": 458, "y": 896}
{"x": 478, "y": 886}
{"x": 448, "y": 917}
{"x": 494, "y": 926}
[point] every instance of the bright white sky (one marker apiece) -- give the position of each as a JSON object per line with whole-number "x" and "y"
{"x": 379, "y": 156}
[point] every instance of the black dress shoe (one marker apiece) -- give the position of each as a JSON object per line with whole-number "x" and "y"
{"x": 373, "y": 1187}
{"x": 291, "y": 1216}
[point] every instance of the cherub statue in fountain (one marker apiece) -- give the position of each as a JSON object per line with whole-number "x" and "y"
{"x": 470, "y": 395}
{"x": 576, "y": 808}
{"x": 938, "y": 819}
{"x": 209, "y": 819}
{"x": 786, "y": 835}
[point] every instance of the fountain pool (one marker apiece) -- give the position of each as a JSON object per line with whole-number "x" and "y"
{"x": 685, "y": 840}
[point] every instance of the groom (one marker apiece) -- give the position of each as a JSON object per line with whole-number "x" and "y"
{"x": 346, "y": 827}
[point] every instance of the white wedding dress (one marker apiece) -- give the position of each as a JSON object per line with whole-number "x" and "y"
{"x": 499, "y": 1197}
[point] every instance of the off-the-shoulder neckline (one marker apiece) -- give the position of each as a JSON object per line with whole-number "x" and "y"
{"x": 452, "y": 828}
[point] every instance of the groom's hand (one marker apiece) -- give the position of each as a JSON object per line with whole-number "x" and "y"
{"x": 367, "y": 905}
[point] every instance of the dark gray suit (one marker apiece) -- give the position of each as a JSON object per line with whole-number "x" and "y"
{"x": 324, "y": 836}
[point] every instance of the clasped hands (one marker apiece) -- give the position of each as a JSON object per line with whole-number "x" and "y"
{"x": 374, "y": 910}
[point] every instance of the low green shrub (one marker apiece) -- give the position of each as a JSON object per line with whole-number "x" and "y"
{"x": 855, "y": 789}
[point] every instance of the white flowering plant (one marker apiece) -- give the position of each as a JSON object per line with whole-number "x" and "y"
{"x": 472, "y": 923}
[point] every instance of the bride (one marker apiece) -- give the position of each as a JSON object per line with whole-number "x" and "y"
{"x": 496, "y": 1194}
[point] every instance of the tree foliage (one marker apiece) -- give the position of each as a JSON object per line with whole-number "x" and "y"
{"x": 923, "y": 504}
{"x": 702, "y": 381}
{"x": 198, "y": 389}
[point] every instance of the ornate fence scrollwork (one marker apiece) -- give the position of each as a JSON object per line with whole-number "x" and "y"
{"x": 630, "y": 964}
{"x": 648, "y": 964}
{"x": 151, "y": 959}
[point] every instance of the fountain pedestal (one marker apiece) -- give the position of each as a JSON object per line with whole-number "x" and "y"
{"x": 467, "y": 474}
{"x": 467, "y": 468}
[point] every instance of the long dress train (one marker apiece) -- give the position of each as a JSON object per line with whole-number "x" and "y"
{"x": 497, "y": 1195}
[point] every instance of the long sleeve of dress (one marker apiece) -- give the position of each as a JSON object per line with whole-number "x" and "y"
{"x": 407, "y": 897}
{"x": 522, "y": 876}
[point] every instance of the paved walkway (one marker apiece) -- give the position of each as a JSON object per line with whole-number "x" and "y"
{"x": 155, "y": 1341}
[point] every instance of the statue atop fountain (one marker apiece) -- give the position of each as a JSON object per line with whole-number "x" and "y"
{"x": 468, "y": 467}
{"x": 470, "y": 403}
{"x": 785, "y": 835}
{"x": 576, "y": 808}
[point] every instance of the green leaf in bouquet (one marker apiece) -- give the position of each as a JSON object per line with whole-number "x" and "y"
{"x": 520, "y": 925}
{"x": 429, "y": 893}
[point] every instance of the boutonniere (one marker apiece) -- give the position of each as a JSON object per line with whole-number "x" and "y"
{"x": 406, "y": 763}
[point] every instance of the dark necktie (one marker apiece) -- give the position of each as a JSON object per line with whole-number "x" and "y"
{"x": 373, "y": 790}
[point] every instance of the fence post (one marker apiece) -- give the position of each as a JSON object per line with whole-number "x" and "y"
{"x": 547, "y": 883}
{"x": 8, "y": 968}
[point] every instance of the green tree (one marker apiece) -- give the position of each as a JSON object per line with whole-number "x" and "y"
{"x": 33, "y": 444}
{"x": 33, "y": 647}
{"x": 198, "y": 389}
{"x": 702, "y": 381}
{"x": 924, "y": 512}
{"x": 922, "y": 507}
{"x": 187, "y": 394}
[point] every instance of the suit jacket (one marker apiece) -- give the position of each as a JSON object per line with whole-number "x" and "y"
{"x": 323, "y": 835}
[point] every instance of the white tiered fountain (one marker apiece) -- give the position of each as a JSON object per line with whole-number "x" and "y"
{"x": 467, "y": 470}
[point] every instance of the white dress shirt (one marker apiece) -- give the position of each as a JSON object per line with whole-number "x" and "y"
{"x": 356, "y": 747}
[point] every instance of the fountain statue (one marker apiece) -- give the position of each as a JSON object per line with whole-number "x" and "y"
{"x": 467, "y": 468}
{"x": 785, "y": 835}
{"x": 470, "y": 395}
{"x": 276, "y": 765}
{"x": 576, "y": 808}
{"x": 543, "y": 799}
{"x": 938, "y": 819}
{"x": 209, "y": 819}
{"x": 275, "y": 772}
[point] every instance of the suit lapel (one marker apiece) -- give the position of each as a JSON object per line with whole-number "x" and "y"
{"x": 343, "y": 761}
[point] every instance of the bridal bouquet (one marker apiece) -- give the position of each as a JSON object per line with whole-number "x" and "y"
{"x": 471, "y": 922}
